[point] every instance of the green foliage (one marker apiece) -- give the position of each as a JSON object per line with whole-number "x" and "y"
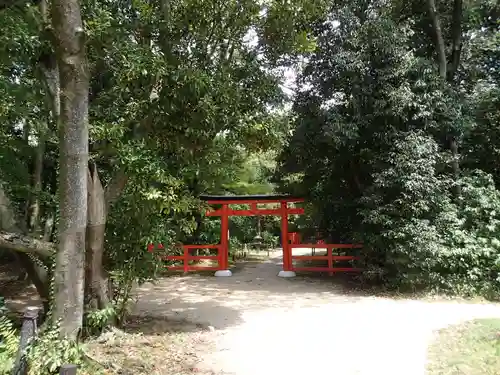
{"x": 415, "y": 234}
{"x": 48, "y": 352}
{"x": 471, "y": 235}
{"x": 180, "y": 102}
{"x": 97, "y": 320}
{"x": 287, "y": 28}
{"x": 372, "y": 151}
{"x": 400, "y": 208}
{"x": 270, "y": 240}
{"x": 123, "y": 281}
{"x": 185, "y": 99}
{"x": 190, "y": 106}
{"x": 9, "y": 342}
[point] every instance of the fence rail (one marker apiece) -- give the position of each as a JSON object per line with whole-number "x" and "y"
{"x": 294, "y": 243}
{"x": 187, "y": 257}
{"x": 329, "y": 257}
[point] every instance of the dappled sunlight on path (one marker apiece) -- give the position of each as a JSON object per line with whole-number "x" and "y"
{"x": 266, "y": 325}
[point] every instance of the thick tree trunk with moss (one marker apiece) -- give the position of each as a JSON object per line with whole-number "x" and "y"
{"x": 69, "y": 43}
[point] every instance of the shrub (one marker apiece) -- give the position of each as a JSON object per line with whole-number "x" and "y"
{"x": 417, "y": 235}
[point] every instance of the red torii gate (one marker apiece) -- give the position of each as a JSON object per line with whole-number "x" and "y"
{"x": 253, "y": 200}
{"x": 222, "y": 257}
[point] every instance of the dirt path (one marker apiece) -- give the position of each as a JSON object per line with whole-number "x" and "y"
{"x": 267, "y": 325}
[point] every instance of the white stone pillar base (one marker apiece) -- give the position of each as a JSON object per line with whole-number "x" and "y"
{"x": 223, "y": 273}
{"x": 284, "y": 273}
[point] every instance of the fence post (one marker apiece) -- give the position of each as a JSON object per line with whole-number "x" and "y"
{"x": 186, "y": 258}
{"x": 67, "y": 370}
{"x": 28, "y": 332}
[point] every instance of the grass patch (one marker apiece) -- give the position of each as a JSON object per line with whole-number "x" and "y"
{"x": 472, "y": 348}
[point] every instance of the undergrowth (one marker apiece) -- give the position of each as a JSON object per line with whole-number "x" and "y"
{"x": 47, "y": 352}
{"x": 8, "y": 344}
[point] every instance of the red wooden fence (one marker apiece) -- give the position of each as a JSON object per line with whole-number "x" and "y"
{"x": 187, "y": 257}
{"x": 328, "y": 257}
{"x": 222, "y": 257}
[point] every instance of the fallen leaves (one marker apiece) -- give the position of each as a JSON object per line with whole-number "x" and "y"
{"x": 153, "y": 346}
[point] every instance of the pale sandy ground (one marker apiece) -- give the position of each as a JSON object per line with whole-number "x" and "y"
{"x": 264, "y": 325}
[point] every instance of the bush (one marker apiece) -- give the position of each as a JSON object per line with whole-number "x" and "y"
{"x": 470, "y": 236}
{"x": 48, "y": 352}
{"x": 416, "y": 235}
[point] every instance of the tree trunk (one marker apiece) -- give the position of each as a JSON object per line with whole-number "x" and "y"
{"x": 50, "y": 73}
{"x": 456, "y": 35}
{"x": 69, "y": 43}
{"x": 34, "y": 223}
{"x": 7, "y": 218}
{"x": 98, "y": 289}
{"x": 96, "y": 281}
{"x": 48, "y": 227}
{"x": 439, "y": 40}
{"x": 456, "y": 31}
{"x": 455, "y": 165}
{"x": 447, "y": 73}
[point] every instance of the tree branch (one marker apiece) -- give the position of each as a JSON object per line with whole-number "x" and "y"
{"x": 439, "y": 40}
{"x": 25, "y": 244}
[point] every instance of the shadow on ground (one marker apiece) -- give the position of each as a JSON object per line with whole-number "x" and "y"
{"x": 245, "y": 279}
{"x": 159, "y": 325}
{"x": 224, "y": 302}
{"x": 180, "y": 315}
{"x": 18, "y": 294}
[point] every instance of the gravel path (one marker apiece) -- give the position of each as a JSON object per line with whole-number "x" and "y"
{"x": 264, "y": 325}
